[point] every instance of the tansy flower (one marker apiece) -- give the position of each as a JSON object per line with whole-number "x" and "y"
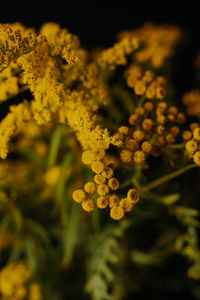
{"x": 113, "y": 200}
{"x": 103, "y": 189}
{"x": 88, "y": 204}
{"x": 87, "y": 157}
{"x": 139, "y": 157}
{"x": 97, "y": 167}
{"x": 133, "y": 195}
{"x": 102, "y": 202}
{"x": 191, "y": 146}
{"x": 116, "y": 213}
{"x": 90, "y": 188}
{"x": 126, "y": 204}
{"x": 113, "y": 183}
{"x": 107, "y": 172}
{"x": 79, "y": 195}
{"x": 196, "y": 134}
{"x": 99, "y": 179}
{"x": 126, "y": 156}
{"x": 196, "y": 158}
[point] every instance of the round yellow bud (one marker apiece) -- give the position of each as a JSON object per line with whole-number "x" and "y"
{"x": 126, "y": 156}
{"x": 160, "y": 92}
{"x": 139, "y": 157}
{"x": 134, "y": 119}
{"x": 148, "y": 106}
{"x": 140, "y": 111}
{"x": 88, "y": 204}
{"x": 107, "y": 172}
{"x": 126, "y": 204}
{"x": 87, "y": 157}
{"x": 187, "y": 135}
{"x": 196, "y": 134}
{"x": 181, "y": 118}
{"x": 97, "y": 167}
{"x": 138, "y": 135}
{"x": 124, "y": 130}
{"x": 170, "y": 138}
{"x": 193, "y": 126}
{"x": 79, "y": 195}
{"x": 132, "y": 144}
{"x": 99, "y": 179}
{"x": 102, "y": 202}
{"x": 116, "y": 213}
{"x": 160, "y": 129}
{"x": 148, "y": 124}
{"x": 103, "y": 189}
{"x": 173, "y": 110}
{"x": 90, "y": 187}
{"x": 113, "y": 183}
{"x": 196, "y": 158}
{"x": 133, "y": 195}
{"x": 151, "y": 92}
{"x": 191, "y": 146}
{"x": 113, "y": 200}
{"x": 140, "y": 87}
{"x": 98, "y": 153}
{"x": 175, "y": 130}
{"x": 146, "y": 147}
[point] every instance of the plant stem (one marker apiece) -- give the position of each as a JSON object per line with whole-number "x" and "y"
{"x": 165, "y": 178}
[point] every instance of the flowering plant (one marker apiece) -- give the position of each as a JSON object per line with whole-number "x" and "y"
{"x": 92, "y": 146}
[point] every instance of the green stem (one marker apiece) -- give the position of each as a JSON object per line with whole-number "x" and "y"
{"x": 165, "y": 178}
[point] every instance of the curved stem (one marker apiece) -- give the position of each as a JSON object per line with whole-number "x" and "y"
{"x": 165, "y": 178}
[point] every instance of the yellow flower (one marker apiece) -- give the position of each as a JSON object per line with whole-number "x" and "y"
{"x": 133, "y": 195}
{"x": 196, "y": 134}
{"x": 113, "y": 183}
{"x": 88, "y": 204}
{"x": 79, "y": 195}
{"x": 103, "y": 189}
{"x": 102, "y": 202}
{"x": 52, "y": 175}
{"x": 97, "y": 167}
{"x": 87, "y": 157}
{"x": 99, "y": 179}
{"x": 126, "y": 156}
{"x": 196, "y": 158}
{"x": 116, "y": 213}
{"x": 191, "y": 146}
{"x": 90, "y": 188}
{"x": 126, "y": 204}
{"x": 113, "y": 200}
{"x": 139, "y": 157}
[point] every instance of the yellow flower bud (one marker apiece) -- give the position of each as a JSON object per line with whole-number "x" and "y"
{"x": 140, "y": 87}
{"x": 196, "y": 158}
{"x": 79, "y": 195}
{"x": 102, "y": 202}
{"x": 113, "y": 200}
{"x": 107, "y": 172}
{"x": 138, "y": 135}
{"x": 196, "y": 134}
{"x": 99, "y": 179}
{"x": 191, "y": 146}
{"x": 146, "y": 147}
{"x": 139, "y": 157}
{"x": 90, "y": 187}
{"x": 187, "y": 135}
{"x": 88, "y": 204}
{"x": 97, "y": 167}
{"x": 133, "y": 195}
{"x": 132, "y": 144}
{"x": 113, "y": 183}
{"x": 103, "y": 189}
{"x": 126, "y": 156}
{"x": 116, "y": 213}
{"x": 126, "y": 204}
{"x": 87, "y": 157}
{"x": 134, "y": 119}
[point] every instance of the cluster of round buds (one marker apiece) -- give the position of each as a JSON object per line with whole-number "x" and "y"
{"x": 101, "y": 192}
{"x": 145, "y": 83}
{"x": 151, "y": 130}
{"x": 193, "y": 145}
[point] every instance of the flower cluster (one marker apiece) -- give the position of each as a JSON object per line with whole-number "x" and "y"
{"x": 13, "y": 281}
{"x": 103, "y": 187}
{"x": 158, "y": 42}
{"x": 145, "y": 83}
{"x": 192, "y": 102}
{"x": 193, "y": 146}
{"x": 152, "y": 127}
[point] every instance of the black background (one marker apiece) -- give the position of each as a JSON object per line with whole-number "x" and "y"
{"x": 97, "y": 23}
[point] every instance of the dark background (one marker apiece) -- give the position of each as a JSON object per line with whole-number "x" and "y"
{"x": 97, "y": 23}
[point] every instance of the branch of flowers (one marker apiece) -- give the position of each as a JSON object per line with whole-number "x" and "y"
{"x": 165, "y": 178}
